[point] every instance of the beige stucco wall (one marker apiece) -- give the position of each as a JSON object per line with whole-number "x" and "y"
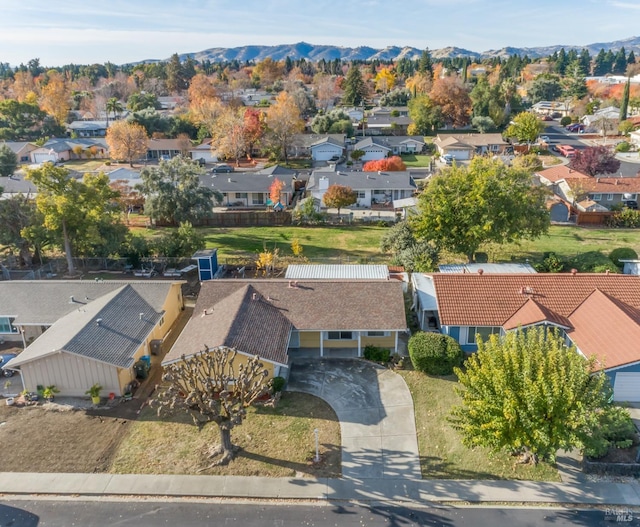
{"x": 72, "y": 374}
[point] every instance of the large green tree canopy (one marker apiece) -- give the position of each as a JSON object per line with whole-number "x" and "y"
{"x": 464, "y": 207}
{"x": 174, "y": 194}
{"x": 529, "y": 393}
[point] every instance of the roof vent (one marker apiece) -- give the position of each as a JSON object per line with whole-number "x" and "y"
{"x": 140, "y": 315}
{"x": 607, "y": 271}
{"x": 206, "y": 312}
{"x": 229, "y": 180}
{"x": 379, "y": 172}
{"x": 254, "y": 296}
{"x": 72, "y": 300}
{"x": 574, "y": 272}
{"x": 597, "y": 180}
{"x": 480, "y": 272}
{"x": 98, "y": 321}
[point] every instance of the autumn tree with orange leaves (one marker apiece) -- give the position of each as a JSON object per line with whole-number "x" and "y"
{"x": 389, "y": 164}
{"x": 275, "y": 191}
{"x": 453, "y": 98}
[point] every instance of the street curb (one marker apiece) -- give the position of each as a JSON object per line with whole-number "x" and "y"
{"x": 324, "y": 489}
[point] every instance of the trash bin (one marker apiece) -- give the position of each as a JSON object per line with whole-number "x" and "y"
{"x": 142, "y": 369}
{"x": 147, "y": 359}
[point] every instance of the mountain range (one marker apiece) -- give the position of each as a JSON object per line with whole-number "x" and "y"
{"x": 317, "y": 52}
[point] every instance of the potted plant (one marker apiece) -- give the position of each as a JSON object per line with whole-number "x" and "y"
{"x": 49, "y": 392}
{"x": 94, "y": 393}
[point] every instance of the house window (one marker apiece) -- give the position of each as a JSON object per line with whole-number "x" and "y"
{"x": 597, "y": 197}
{"x": 481, "y": 331}
{"x": 361, "y": 195}
{"x": 339, "y": 335}
{"x": 609, "y": 197}
{"x": 6, "y": 325}
{"x": 161, "y": 321}
{"x": 257, "y": 199}
{"x": 241, "y": 195}
{"x": 378, "y": 333}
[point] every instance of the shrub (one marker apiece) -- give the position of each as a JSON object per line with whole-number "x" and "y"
{"x": 615, "y": 429}
{"x": 565, "y": 121}
{"x": 376, "y": 354}
{"x": 550, "y": 264}
{"x": 434, "y": 353}
{"x": 277, "y": 384}
{"x": 591, "y": 262}
{"x": 628, "y": 218}
{"x": 622, "y": 253}
{"x": 624, "y": 146}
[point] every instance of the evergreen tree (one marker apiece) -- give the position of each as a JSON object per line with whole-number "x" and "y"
{"x": 631, "y": 58}
{"x": 620, "y": 62}
{"x": 600, "y": 66}
{"x": 561, "y": 63}
{"x": 425, "y": 64}
{"x": 624, "y": 103}
{"x": 585, "y": 61}
{"x": 355, "y": 90}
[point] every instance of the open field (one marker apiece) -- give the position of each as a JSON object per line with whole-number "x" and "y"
{"x": 442, "y": 454}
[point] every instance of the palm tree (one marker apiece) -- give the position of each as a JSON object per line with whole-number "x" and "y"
{"x": 115, "y": 106}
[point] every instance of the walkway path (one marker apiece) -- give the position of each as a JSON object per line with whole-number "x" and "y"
{"x": 376, "y": 416}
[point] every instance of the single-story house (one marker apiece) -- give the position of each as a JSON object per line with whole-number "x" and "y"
{"x": 634, "y": 137}
{"x": 371, "y": 187}
{"x": 464, "y": 146}
{"x": 64, "y": 149}
{"x": 88, "y": 128}
{"x": 549, "y": 107}
{"x": 21, "y": 149}
{"x": 17, "y": 184}
{"x": 77, "y": 334}
{"x": 492, "y": 268}
{"x": 170, "y": 102}
{"x": 327, "y": 149}
{"x": 132, "y": 177}
{"x": 204, "y": 151}
{"x": 382, "y": 146}
{"x": 605, "y": 191}
{"x": 317, "y": 146}
{"x": 250, "y": 189}
{"x": 279, "y": 319}
{"x": 164, "y": 149}
{"x": 605, "y": 119}
{"x": 598, "y": 313}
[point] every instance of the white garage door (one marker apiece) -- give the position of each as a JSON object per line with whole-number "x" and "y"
{"x": 460, "y": 154}
{"x": 627, "y": 387}
{"x": 325, "y": 154}
{"x": 43, "y": 158}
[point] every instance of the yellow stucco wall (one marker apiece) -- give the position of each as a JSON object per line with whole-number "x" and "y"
{"x": 381, "y": 342}
{"x": 309, "y": 339}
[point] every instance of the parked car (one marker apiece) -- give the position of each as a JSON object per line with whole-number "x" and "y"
{"x": 545, "y": 118}
{"x": 447, "y": 159}
{"x": 6, "y": 357}
{"x": 545, "y": 139}
{"x": 222, "y": 169}
{"x": 575, "y": 127}
{"x": 630, "y": 204}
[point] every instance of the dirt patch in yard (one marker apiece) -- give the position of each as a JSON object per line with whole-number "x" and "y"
{"x": 44, "y": 439}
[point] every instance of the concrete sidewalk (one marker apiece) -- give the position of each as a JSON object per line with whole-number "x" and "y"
{"x": 377, "y": 490}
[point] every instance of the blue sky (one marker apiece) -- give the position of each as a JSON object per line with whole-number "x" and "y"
{"x": 63, "y": 31}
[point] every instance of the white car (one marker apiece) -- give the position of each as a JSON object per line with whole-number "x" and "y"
{"x": 545, "y": 139}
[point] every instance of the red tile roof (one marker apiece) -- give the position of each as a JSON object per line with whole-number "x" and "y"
{"x": 607, "y": 304}
{"x": 606, "y": 185}
{"x": 558, "y": 172}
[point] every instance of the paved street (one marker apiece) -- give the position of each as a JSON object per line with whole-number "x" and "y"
{"x": 47, "y": 513}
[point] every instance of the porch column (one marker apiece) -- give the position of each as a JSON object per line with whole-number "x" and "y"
{"x": 359, "y": 344}
{"x": 321, "y": 345}
{"x": 396, "y": 350}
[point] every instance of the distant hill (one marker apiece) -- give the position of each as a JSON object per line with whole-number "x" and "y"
{"x": 317, "y": 52}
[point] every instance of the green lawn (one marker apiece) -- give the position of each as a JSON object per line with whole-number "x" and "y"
{"x": 350, "y": 242}
{"x": 413, "y": 160}
{"x": 442, "y": 454}
{"x": 85, "y": 165}
{"x": 567, "y": 241}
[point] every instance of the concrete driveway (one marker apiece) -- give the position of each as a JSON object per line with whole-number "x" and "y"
{"x": 376, "y": 416}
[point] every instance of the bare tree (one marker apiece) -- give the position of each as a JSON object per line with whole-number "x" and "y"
{"x": 211, "y": 389}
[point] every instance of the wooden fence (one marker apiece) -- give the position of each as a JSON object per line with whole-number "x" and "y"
{"x": 243, "y": 219}
{"x": 593, "y": 218}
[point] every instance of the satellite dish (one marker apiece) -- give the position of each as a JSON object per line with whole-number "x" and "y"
{"x": 626, "y": 195}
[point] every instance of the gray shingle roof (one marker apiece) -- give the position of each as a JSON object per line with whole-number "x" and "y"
{"x": 228, "y": 314}
{"x": 240, "y": 181}
{"x": 365, "y": 180}
{"x": 109, "y": 329}
{"x": 18, "y": 298}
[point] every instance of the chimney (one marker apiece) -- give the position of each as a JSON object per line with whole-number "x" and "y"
{"x": 480, "y": 272}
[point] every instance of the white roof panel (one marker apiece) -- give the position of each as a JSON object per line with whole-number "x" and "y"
{"x": 337, "y": 272}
